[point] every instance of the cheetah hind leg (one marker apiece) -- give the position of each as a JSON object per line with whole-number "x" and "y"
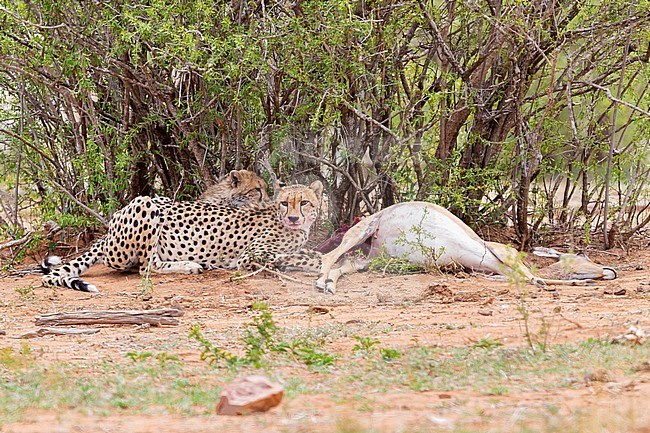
{"x": 151, "y": 261}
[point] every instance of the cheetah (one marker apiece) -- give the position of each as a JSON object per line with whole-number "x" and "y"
{"x": 189, "y": 237}
{"x": 239, "y": 187}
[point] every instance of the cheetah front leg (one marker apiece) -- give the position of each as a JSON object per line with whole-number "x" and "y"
{"x": 312, "y": 261}
{"x": 153, "y": 263}
{"x": 349, "y": 265}
{"x": 303, "y": 260}
{"x": 158, "y": 266}
{"x": 262, "y": 253}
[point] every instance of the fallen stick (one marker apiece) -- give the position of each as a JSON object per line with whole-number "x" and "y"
{"x": 50, "y": 228}
{"x": 56, "y": 331}
{"x": 17, "y": 242}
{"x": 576, "y": 324}
{"x": 250, "y": 274}
{"x": 280, "y": 275}
{"x": 163, "y": 316}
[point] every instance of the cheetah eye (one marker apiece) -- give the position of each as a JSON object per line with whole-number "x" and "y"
{"x": 284, "y": 203}
{"x": 304, "y": 203}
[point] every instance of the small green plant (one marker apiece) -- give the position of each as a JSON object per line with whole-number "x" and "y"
{"x": 139, "y": 356}
{"x": 386, "y": 263}
{"x": 260, "y": 340}
{"x": 305, "y": 350}
{"x": 146, "y": 284}
{"x": 419, "y": 245}
{"x": 537, "y": 341}
{"x": 212, "y": 354}
{"x": 26, "y": 293}
{"x": 162, "y": 357}
{"x": 499, "y": 390}
{"x": 364, "y": 345}
{"x": 368, "y": 345}
{"x": 515, "y": 273}
{"x": 259, "y": 336}
{"x": 487, "y": 343}
{"x": 389, "y": 355}
{"x": 525, "y": 318}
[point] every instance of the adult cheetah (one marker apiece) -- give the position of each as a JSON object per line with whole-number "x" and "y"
{"x": 188, "y": 237}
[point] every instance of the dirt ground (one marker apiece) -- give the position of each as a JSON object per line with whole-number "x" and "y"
{"x": 445, "y": 310}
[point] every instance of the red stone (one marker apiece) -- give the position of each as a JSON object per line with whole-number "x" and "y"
{"x": 249, "y": 394}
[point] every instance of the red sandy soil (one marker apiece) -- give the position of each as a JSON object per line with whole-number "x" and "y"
{"x": 425, "y": 309}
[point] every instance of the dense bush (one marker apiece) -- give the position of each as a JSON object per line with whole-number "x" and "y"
{"x": 493, "y": 109}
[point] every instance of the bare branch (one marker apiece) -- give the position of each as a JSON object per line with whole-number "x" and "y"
{"x": 444, "y": 48}
{"x": 617, "y": 100}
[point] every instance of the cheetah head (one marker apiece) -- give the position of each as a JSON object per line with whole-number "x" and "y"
{"x": 250, "y": 187}
{"x": 238, "y": 188}
{"x": 298, "y": 205}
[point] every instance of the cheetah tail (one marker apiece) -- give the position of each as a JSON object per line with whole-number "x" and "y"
{"x": 76, "y": 283}
{"x": 48, "y": 263}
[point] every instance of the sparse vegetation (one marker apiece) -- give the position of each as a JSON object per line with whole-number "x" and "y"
{"x": 261, "y": 338}
{"x": 537, "y": 340}
{"x": 394, "y": 265}
{"x": 26, "y": 293}
{"x": 416, "y": 242}
{"x": 146, "y": 284}
{"x": 161, "y": 379}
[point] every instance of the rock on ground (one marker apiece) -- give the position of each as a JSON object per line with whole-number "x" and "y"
{"x": 249, "y": 394}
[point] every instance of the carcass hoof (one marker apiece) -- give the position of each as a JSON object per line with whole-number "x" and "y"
{"x": 609, "y": 274}
{"x": 330, "y": 287}
{"x": 539, "y": 282}
{"x": 326, "y": 286}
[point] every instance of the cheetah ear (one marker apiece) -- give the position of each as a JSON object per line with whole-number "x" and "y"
{"x": 277, "y": 187}
{"x": 317, "y": 187}
{"x": 234, "y": 178}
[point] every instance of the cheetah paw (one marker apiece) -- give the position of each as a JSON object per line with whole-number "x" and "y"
{"x": 192, "y": 268}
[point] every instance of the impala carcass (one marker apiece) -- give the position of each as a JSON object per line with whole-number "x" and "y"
{"x": 425, "y": 233}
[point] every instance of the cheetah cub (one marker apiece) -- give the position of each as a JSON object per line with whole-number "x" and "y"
{"x": 238, "y": 188}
